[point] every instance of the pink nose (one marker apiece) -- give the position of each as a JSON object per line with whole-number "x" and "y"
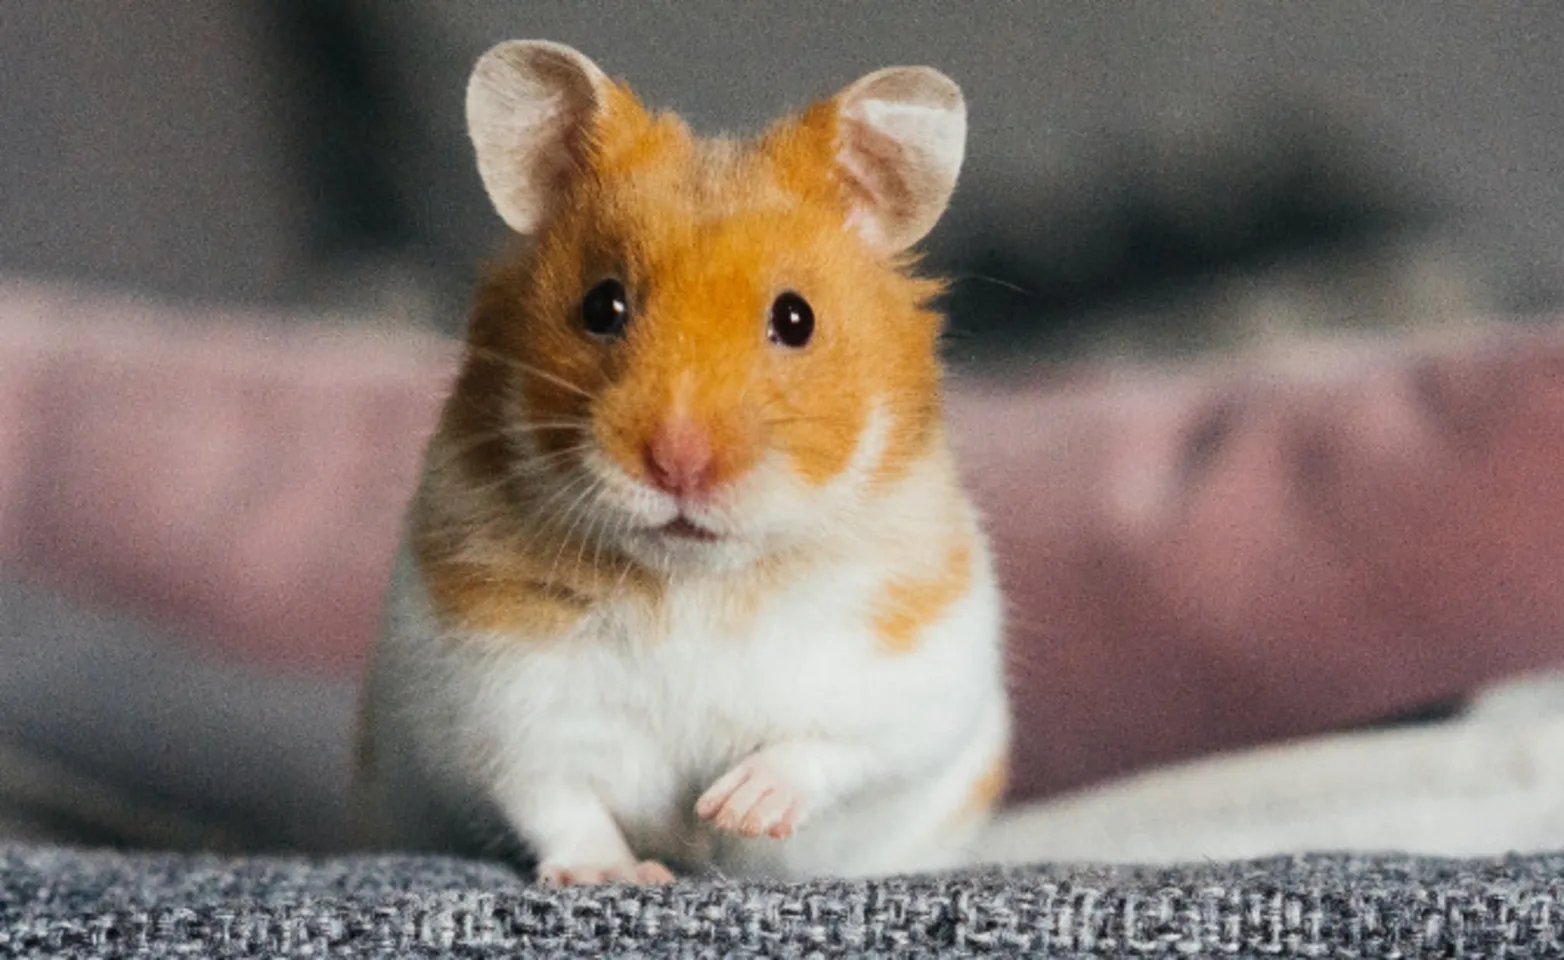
{"x": 679, "y": 460}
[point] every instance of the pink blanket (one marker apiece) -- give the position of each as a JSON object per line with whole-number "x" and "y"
{"x": 1197, "y": 559}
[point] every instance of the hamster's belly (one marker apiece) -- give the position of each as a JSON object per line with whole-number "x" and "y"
{"x": 649, "y": 727}
{"x": 649, "y": 715}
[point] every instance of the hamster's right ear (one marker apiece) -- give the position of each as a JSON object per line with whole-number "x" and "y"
{"x": 901, "y": 136}
{"x": 530, "y": 108}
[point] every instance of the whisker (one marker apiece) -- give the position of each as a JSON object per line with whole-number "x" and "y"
{"x": 532, "y": 461}
{"x": 548, "y": 464}
{"x": 554, "y": 455}
{"x": 528, "y": 450}
{"x": 528, "y": 468}
{"x": 519, "y": 466}
{"x": 504, "y": 432}
{"x": 996, "y": 281}
{"x": 531, "y": 370}
{"x": 445, "y": 452}
{"x": 544, "y": 510}
{"x": 526, "y": 473}
{"x": 624, "y": 526}
{"x": 603, "y": 532}
{"x": 501, "y": 529}
{"x": 821, "y": 420}
{"x": 489, "y": 486}
{"x": 572, "y": 516}
{"x": 586, "y": 536}
{"x": 578, "y": 511}
{"x": 593, "y": 520}
{"x": 539, "y": 426}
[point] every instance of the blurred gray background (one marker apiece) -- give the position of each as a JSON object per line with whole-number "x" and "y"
{"x": 1126, "y": 159}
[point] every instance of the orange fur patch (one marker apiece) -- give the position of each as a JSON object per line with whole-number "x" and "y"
{"x": 484, "y": 600}
{"x": 988, "y": 788}
{"x": 494, "y": 578}
{"x": 907, "y": 605}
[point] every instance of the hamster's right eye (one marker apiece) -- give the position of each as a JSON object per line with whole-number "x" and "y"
{"x": 606, "y": 309}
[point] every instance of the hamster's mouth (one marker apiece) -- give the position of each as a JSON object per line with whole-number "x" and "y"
{"x": 682, "y": 528}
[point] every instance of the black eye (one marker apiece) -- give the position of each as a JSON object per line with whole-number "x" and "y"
{"x": 606, "y": 309}
{"x": 792, "y": 320}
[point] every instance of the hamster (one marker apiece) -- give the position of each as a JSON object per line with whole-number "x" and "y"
{"x": 690, "y": 583}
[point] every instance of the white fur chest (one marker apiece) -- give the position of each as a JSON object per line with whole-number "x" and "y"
{"x": 647, "y": 707}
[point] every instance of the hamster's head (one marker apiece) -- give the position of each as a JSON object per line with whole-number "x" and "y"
{"x": 705, "y": 349}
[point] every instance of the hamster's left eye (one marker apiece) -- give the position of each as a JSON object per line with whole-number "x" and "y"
{"x": 606, "y": 308}
{"x": 792, "y": 321}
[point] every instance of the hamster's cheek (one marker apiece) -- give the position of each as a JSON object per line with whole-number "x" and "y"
{"x": 787, "y": 497}
{"x": 776, "y": 507}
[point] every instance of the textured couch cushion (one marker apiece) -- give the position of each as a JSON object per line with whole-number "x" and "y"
{"x": 57, "y": 902}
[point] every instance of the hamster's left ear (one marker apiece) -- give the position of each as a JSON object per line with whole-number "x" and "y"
{"x": 901, "y": 134}
{"x": 531, "y": 105}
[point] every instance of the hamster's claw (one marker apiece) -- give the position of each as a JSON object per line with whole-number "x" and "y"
{"x": 562, "y": 875}
{"x": 751, "y": 800}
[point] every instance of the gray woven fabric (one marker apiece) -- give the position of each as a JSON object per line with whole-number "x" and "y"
{"x": 58, "y": 902}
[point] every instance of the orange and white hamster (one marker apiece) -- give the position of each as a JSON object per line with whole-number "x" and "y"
{"x": 690, "y": 582}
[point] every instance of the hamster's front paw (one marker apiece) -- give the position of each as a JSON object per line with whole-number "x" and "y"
{"x": 754, "y": 798}
{"x": 572, "y": 875}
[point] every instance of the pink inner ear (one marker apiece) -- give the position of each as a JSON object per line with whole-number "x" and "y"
{"x": 560, "y": 126}
{"x": 879, "y": 199}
